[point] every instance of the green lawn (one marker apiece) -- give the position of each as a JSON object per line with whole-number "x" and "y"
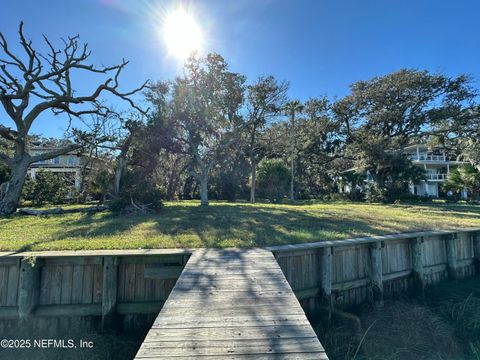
{"x": 185, "y": 224}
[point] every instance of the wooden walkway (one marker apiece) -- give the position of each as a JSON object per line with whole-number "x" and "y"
{"x": 231, "y": 304}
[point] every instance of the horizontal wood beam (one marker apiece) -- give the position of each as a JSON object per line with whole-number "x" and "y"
{"x": 69, "y": 310}
{"x": 162, "y": 272}
{"x": 139, "y": 308}
{"x": 364, "y": 240}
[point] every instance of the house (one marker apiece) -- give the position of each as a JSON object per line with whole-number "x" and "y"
{"x": 71, "y": 165}
{"x": 436, "y": 162}
{"x": 437, "y": 165}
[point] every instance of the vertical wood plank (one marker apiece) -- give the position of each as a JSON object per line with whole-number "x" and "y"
{"x": 29, "y": 287}
{"x": 3, "y": 284}
{"x": 55, "y": 285}
{"x": 326, "y": 275}
{"x": 376, "y": 274}
{"x": 97, "y": 284}
{"x": 12, "y": 289}
{"x": 77, "y": 284}
{"x": 451, "y": 248}
{"x": 129, "y": 283}
{"x": 109, "y": 290}
{"x": 476, "y": 251}
{"x": 87, "y": 291}
{"x": 67, "y": 276}
{"x": 418, "y": 267}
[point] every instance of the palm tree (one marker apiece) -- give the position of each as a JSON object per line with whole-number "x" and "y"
{"x": 291, "y": 109}
{"x": 464, "y": 177}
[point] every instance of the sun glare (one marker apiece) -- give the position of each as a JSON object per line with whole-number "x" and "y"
{"x": 182, "y": 34}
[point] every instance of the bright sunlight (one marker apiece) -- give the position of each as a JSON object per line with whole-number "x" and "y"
{"x": 182, "y": 34}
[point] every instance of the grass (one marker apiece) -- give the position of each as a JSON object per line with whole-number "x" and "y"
{"x": 185, "y": 224}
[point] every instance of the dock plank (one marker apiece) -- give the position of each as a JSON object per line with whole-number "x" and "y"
{"x": 231, "y": 304}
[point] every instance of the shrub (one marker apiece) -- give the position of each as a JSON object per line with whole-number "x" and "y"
{"x": 273, "y": 179}
{"x": 136, "y": 194}
{"x": 47, "y": 187}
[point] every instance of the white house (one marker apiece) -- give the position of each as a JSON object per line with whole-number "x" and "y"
{"x": 69, "y": 165}
{"x": 437, "y": 165}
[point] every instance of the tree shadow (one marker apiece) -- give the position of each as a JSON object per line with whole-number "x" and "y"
{"x": 226, "y": 225}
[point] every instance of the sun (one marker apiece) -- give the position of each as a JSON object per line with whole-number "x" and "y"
{"x": 182, "y": 34}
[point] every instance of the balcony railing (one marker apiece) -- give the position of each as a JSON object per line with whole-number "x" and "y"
{"x": 428, "y": 157}
{"x": 436, "y": 177}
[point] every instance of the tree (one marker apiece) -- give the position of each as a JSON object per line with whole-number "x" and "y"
{"x": 460, "y": 134}
{"x": 291, "y": 109}
{"x": 47, "y": 187}
{"x": 319, "y": 145}
{"x": 464, "y": 177}
{"x": 206, "y": 102}
{"x": 33, "y": 83}
{"x": 273, "y": 179}
{"x": 383, "y": 115}
{"x": 101, "y": 184}
{"x": 266, "y": 99}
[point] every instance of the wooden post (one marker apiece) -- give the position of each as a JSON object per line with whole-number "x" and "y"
{"x": 109, "y": 292}
{"x": 418, "y": 269}
{"x": 476, "y": 251}
{"x": 451, "y": 246}
{"x": 29, "y": 287}
{"x": 376, "y": 273}
{"x": 326, "y": 275}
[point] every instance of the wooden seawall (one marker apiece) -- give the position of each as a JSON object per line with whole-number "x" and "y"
{"x": 232, "y": 304}
{"x": 53, "y": 290}
{"x": 350, "y": 272}
{"x": 60, "y": 289}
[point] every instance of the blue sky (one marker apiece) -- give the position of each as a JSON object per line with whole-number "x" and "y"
{"x": 319, "y": 46}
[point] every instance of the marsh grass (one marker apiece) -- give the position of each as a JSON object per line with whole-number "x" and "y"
{"x": 446, "y": 326}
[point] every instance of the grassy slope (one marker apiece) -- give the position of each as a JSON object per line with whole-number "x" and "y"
{"x": 185, "y": 224}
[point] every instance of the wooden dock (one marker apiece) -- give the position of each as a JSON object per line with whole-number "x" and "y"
{"x": 231, "y": 304}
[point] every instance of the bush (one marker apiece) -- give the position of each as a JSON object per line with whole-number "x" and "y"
{"x": 4, "y": 172}
{"x": 273, "y": 179}
{"x": 136, "y": 193}
{"x": 101, "y": 184}
{"x": 47, "y": 187}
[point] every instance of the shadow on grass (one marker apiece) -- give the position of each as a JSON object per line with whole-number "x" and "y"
{"x": 215, "y": 226}
{"x": 243, "y": 225}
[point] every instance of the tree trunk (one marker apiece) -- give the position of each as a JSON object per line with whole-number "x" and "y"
{"x": 292, "y": 185}
{"x": 254, "y": 180}
{"x": 121, "y": 164}
{"x": 11, "y": 191}
{"x": 203, "y": 179}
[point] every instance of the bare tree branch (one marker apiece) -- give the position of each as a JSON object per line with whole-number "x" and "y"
{"x": 54, "y": 153}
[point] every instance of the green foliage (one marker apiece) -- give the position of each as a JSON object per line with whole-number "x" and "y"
{"x": 4, "y": 172}
{"x": 383, "y": 115}
{"x": 47, "y": 187}
{"x": 101, "y": 185}
{"x": 273, "y": 179}
{"x": 138, "y": 192}
{"x": 391, "y": 183}
{"x": 464, "y": 177}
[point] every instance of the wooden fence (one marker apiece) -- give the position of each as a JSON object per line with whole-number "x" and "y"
{"x": 346, "y": 273}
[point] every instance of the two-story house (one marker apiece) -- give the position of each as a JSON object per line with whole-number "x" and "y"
{"x": 435, "y": 161}
{"x": 437, "y": 165}
{"x": 70, "y": 165}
